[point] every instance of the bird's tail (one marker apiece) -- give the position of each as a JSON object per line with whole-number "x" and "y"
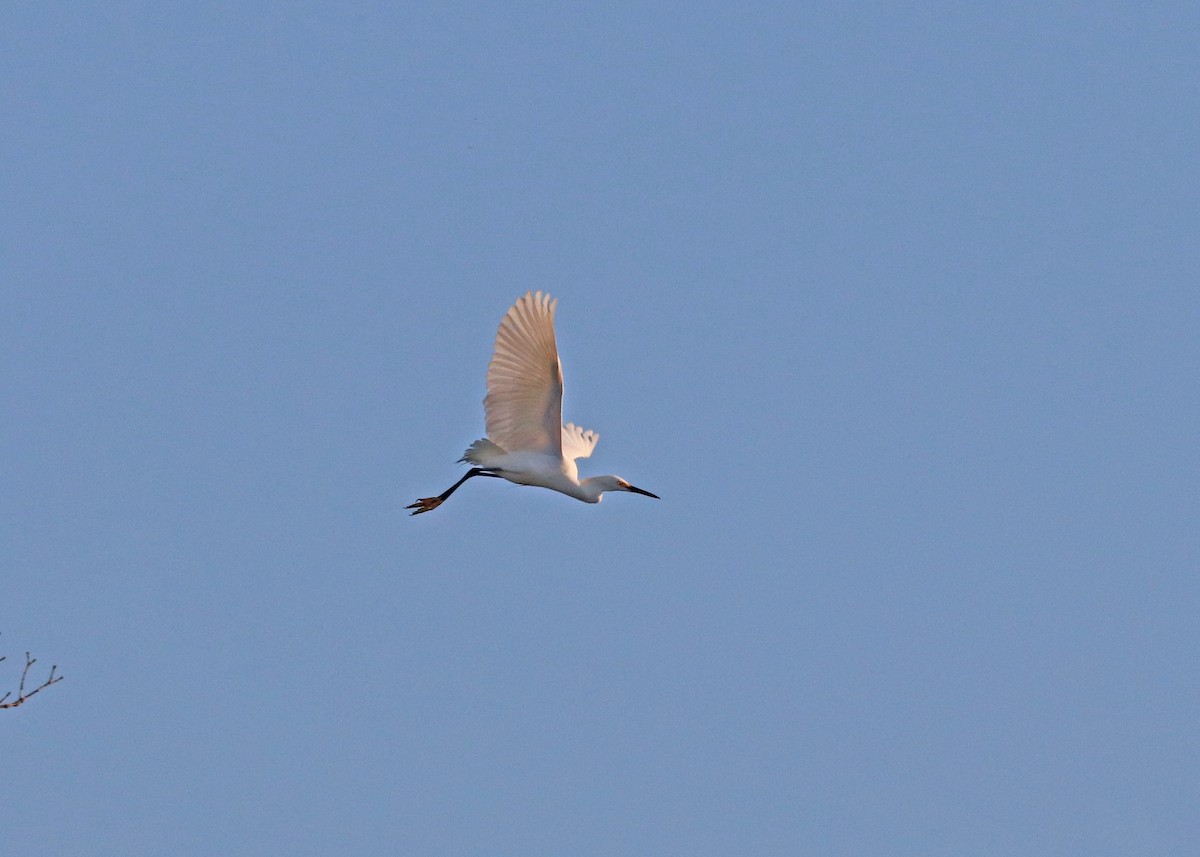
{"x": 482, "y": 453}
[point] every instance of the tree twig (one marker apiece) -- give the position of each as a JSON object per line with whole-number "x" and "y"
{"x": 22, "y": 695}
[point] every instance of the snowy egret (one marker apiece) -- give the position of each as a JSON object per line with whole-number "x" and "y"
{"x": 527, "y": 442}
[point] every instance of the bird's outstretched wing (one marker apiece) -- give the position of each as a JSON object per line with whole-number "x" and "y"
{"x": 523, "y": 405}
{"x": 578, "y": 442}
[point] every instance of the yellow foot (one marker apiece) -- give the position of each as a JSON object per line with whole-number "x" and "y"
{"x": 425, "y": 504}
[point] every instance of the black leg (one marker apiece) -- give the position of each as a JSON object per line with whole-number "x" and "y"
{"x": 428, "y": 504}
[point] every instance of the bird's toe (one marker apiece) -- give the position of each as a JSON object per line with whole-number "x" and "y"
{"x": 425, "y": 504}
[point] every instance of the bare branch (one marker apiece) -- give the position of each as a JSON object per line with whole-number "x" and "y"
{"x": 22, "y": 694}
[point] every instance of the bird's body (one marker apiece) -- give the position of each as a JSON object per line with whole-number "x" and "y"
{"x": 527, "y": 442}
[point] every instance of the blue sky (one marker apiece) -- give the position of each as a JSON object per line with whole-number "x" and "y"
{"x": 894, "y": 305}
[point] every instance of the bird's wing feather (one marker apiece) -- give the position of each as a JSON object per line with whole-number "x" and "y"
{"x": 523, "y": 405}
{"x": 578, "y": 442}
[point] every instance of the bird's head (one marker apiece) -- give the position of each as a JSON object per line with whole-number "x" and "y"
{"x": 616, "y": 483}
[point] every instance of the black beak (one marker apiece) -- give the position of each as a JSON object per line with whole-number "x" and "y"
{"x": 643, "y": 493}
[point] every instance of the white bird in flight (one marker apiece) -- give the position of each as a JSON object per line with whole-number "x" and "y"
{"x": 527, "y": 442}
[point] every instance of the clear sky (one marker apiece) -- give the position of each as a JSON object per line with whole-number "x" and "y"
{"x": 895, "y": 305}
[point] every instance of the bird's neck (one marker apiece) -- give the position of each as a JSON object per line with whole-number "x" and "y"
{"x": 590, "y": 490}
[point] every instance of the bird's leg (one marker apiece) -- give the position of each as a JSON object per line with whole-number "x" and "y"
{"x": 428, "y": 504}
